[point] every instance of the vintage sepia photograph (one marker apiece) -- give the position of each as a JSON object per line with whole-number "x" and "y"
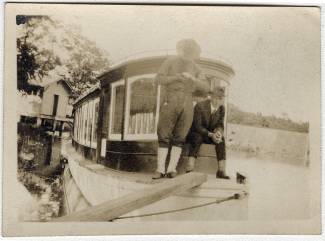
{"x": 161, "y": 119}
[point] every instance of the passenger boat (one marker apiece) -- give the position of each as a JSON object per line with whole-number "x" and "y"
{"x": 114, "y": 147}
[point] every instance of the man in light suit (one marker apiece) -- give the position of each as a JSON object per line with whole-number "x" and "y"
{"x": 208, "y": 128}
{"x": 179, "y": 77}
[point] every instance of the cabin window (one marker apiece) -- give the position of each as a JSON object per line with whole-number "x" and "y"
{"x": 89, "y": 122}
{"x": 116, "y": 110}
{"x": 75, "y": 125}
{"x": 79, "y": 125}
{"x": 95, "y": 122}
{"x": 141, "y": 108}
{"x": 85, "y": 128}
{"x": 84, "y": 124}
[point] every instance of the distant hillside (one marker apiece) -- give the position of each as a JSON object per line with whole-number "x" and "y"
{"x": 237, "y": 116}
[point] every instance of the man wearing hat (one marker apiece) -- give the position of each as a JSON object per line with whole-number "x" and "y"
{"x": 179, "y": 78}
{"x": 208, "y": 128}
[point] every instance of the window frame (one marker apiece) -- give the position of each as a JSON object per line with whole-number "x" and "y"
{"x": 75, "y": 125}
{"x": 83, "y": 132}
{"x": 219, "y": 82}
{"x": 89, "y": 122}
{"x": 114, "y": 85}
{"x": 131, "y": 137}
{"x": 85, "y": 113}
{"x": 79, "y": 124}
{"x": 94, "y": 130}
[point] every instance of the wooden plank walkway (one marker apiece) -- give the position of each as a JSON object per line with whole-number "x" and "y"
{"x": 115, "y": 208}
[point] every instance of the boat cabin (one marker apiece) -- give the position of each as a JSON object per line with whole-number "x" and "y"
{"x": 115, "y": 124}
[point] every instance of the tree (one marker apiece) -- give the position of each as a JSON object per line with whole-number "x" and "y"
{"x": 237, "y": 116}
{"x": 49, "y": 50}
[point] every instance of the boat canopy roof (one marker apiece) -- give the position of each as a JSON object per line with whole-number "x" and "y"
{"x": 149, "y": 59}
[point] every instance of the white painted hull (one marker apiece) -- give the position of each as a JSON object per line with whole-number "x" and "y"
{"x": 98, "y": 184}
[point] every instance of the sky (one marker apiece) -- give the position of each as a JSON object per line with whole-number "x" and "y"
{"x": 275, "y": 52}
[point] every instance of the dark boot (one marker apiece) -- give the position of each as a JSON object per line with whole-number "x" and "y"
{"x": 158, "y": 175}
{"x": 221, "y": 174}
{"x": 222, "y": 169}
{"x": 171, "y": 174}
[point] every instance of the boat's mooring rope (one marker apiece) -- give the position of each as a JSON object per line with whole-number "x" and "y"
{"x": 233, "y": 197}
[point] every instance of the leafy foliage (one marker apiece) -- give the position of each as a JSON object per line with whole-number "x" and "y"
{"x": 49, "y": 50}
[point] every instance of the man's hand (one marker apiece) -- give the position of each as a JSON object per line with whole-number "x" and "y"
{"x": 199, "y": 83}
{"x": 216, "y": 137}
{"x": 181, "y": 78}
{"x": 188, "y": 76}
{"x": 218, "y": 134}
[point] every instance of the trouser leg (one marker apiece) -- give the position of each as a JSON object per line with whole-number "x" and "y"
{"x": 175, "y": 120}
{"x": 221, "y": 150}
{"x": 221, "y": 157}
{"x": 190, "y": 164}
{"x": 166, "y": 123}
{"x": 195, "y": 140}
{"x": 183, "y": 123}
{"x": 222, "y": 166}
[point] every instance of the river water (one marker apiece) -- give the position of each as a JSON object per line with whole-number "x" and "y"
{"x": 277, "y": 190}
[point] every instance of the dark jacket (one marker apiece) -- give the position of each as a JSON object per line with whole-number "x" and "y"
{"x": 204, "y": 122}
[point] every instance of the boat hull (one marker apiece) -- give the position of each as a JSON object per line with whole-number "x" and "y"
{"x": 97, "y": 184}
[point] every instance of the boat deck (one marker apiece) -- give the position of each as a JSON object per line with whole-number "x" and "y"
{"x": 143, "y": 178}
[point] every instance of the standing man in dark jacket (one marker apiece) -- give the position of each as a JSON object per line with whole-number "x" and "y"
{"x": 179, "y": 78}
{"x": 208, "y": 128}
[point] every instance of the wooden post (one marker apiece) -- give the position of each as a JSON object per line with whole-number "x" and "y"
{"x": 60, "y": 128}
{"x": 115, "y": 208}
{"x": 54, "y": 126}
{"x": 39, "y": 121}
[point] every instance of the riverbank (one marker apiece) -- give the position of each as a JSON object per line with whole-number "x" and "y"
{"x": 39, "y": 171}
{"x": 268, "y": 144}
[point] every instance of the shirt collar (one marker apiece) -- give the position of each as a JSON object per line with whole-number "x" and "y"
{"x": 213, "y": 109}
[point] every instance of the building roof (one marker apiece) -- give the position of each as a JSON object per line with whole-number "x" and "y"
{"x": 64, "y": 82}
{"x": 87, "y": 92}
{"x": 68, "y": 84}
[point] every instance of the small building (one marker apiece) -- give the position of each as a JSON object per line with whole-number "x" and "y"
{"x": 50, "y": 106}
{"x": 56, "y": 106}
